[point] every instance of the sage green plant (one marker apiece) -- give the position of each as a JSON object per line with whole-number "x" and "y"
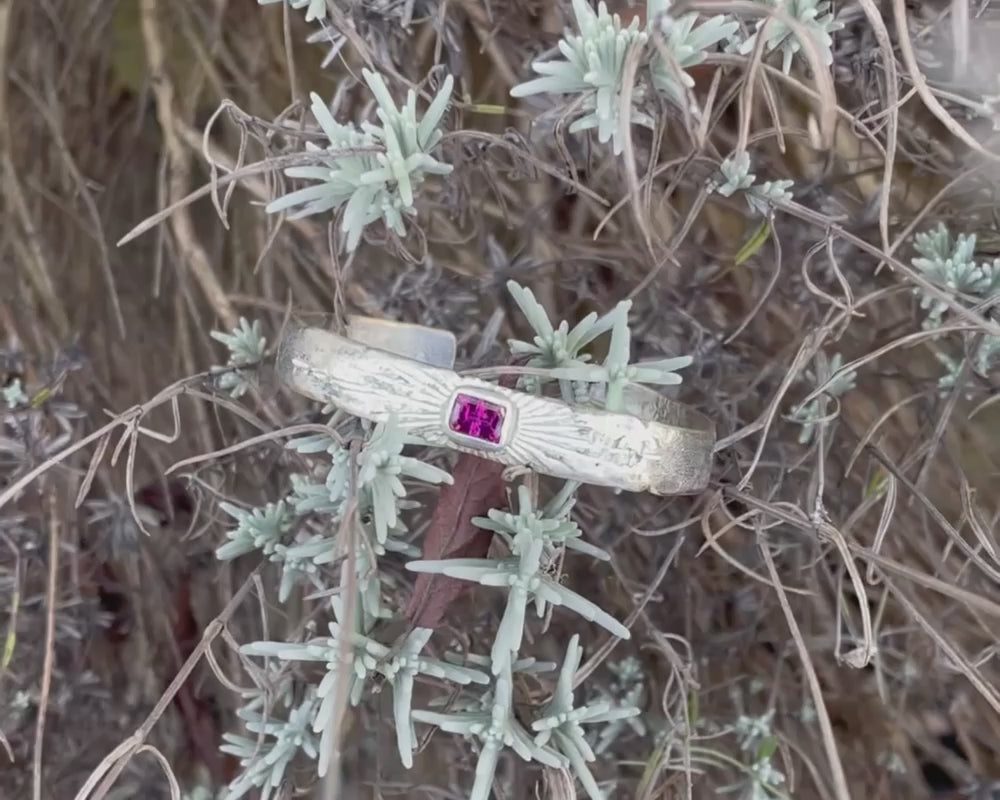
{"x": 834, "y": 383}
{"x": 761, "y": 197}
{"x": 616, "y": 372}
{"x": 595, "y": 57}
{"x": 497, "y": 727}
{"x": 365, "y": 657}
{"x": 687, "y": 41}
{"x": 560, "y": 723}
{"x": 372, "y": 171}
{"x": 627, "y": 690}
{"x": 559, "y": 349}
{"x": 257, "y": 529}
{"x": 277, "y": 740}
{"x": 593, "y": 66}
{"x": 14, "y": 395}
{"x": 813, "y": 15}
{"x": 299, "y": 534}
{"x": 526, "y": 576}
{"x": 246, "y": 348}
{"x": 949, "y": 263}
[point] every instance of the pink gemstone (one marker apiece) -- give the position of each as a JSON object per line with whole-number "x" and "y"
{"x": 478, "y": 418}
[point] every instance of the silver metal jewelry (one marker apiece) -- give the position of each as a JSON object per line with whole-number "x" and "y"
{"x": 382, "y": 369}
{"x": 432, "y": 346}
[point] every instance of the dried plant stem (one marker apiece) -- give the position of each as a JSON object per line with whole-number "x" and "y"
{"x": 841, "y": 789}
{"x": 52, "y": 122}
{"x": 31, "y": 255}
{"x": 107, "y": 772}
{"x": 6, "y": 7}
{"x": 827, "y": 112}
{"x": 874, "y": 16}
{"x": 920, "y": 84}
{"x": 347, "y": 536}
{"x": 179, "y": 169}
{"x": 55, "y": 530}
{"x": 126, "y": 418}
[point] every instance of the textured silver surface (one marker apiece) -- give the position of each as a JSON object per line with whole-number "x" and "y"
{"x": 660, "y": 446}
{"x": 429, "y": 345}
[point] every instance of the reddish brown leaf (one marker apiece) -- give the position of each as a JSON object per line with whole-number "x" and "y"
{"x": 478, "y": 487}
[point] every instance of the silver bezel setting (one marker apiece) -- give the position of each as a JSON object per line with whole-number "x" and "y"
{"x": 507, "y": 426}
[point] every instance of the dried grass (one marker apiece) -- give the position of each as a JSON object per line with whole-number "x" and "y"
{"x": 857, "y": 577}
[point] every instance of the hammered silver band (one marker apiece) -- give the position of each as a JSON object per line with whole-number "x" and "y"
{"x": 382, "y": 369}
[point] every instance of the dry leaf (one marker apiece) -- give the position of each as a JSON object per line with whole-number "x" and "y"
{"x": 478, "y": 486}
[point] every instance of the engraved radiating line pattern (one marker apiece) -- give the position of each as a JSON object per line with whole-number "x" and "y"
{"x": 551, "y": 433}
{"x": 661, "y": 452}
{"x": 549, "y": 436}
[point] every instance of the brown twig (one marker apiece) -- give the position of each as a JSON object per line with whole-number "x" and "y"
{"x": 815, "y": 690}
{"x": 106, "y": 773}
{"x": 55, "y": 532}
{"x": 179, "y": 169}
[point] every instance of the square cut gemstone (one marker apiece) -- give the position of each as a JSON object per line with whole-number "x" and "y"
{"x": 478, "y": 418}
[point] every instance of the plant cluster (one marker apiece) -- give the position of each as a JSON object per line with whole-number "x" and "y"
{"x": 340, "y": 521}
{"x": 949, "y": 263}
{"x": 626, "y": 690}
{"x": 246, "y": 348}
{"x": 337, "y": 524}
{"x": 736, "y": 177}
{"x": 593, "y": 69}
{"x": 594, "y": 65}
{"x": 403, "y": 611}
{"x": 758, "y": 743}
{"x": 559, "y": 350}
{"x": 37, "y": 422}
{"x": 814, "y": 16}
{"x": 599, "y": 57}
{"x": 34, "y": 423}
{"x": 372, "y": 171}
{"x": 830, "y": 382}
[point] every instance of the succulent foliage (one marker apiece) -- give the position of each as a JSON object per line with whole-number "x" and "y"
{"x": 371, "y": 171}
{"x": 813, "y": 15}
{"x": 593, "y": 67}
